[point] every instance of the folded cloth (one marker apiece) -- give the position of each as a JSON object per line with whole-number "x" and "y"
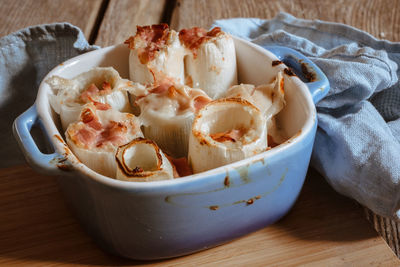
{"x": 25, "y": 58}
{"x": 357, "y": 146}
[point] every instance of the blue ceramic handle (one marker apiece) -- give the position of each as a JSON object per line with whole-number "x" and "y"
{"x": 44, "y": 163}
{"x": 317, "y": 82}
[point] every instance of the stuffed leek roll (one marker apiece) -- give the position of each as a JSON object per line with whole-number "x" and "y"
{"x": 155, "y": 54}
{"x": 225, "y": 131}
{"x": 210, "y": 63}
{"x": 94, "y": 139}
{"x": 167, "y": 113}
{"x": 268, "y": 98}
{"x": 142, "y": 161}
{"x": 101, "y": 86}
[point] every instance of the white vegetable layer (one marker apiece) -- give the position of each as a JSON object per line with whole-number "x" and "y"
{"x": 142, "y": 161}
{"x": 101, "y": 86}
{"x": 95, "y": 138}
{"x": 225, "y": 131}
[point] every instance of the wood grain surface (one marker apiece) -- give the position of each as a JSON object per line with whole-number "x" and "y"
{"x": 17, "y": 14}
{"x": 323, "y": 229}
{"x": 122, "y": 17}
{"x": 379, "y": 17}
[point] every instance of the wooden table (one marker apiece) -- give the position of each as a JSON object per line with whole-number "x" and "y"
{"x": 323, "y": 229}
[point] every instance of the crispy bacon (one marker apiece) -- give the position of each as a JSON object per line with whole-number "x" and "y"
{"x": 200, "y": 101}
{"x": 106, "y": 87}
{"x": 154, "y": 37}
{"x": 194, "y": 37}
{"x": 228, "y": 136}
{"x": 101, "y": 106}
{"x": 89, "y": 118}
{"x": 114, "y": 133}
{"x": 162, "y": 88}
{"x": 92, "y": 90}
{"x": 181, "y": 166}
{"x": 82, "y": 135}
{"x": 90, "y": 132}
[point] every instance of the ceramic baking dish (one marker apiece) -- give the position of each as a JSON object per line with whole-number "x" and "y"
{"x": 164, "y": 219}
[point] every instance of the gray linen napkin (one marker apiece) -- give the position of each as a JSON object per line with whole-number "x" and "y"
{"x": 357, "y": 147}
{"x": 25, "y": 58}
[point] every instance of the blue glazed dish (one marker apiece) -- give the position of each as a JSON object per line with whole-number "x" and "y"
{"x": 171, "y": 218}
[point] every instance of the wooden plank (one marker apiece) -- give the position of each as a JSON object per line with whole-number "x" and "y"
{"x": 122, "y": 16}
{"x": 378, "y": 17}
{"x": 323, "y": 229}
{"x": 17, "y": 14}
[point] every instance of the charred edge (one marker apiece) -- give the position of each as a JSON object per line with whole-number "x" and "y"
{"x": 250, "y": 201}
{"x": 62, "y": 160}
{"x": 59, "y": 138}
{"x": 64, "y": 167}
{"x": 276, "y": 63}
{"x": 288, "y": 71}
{"x": 214, "y": 207}
{"x": 309, "y": 75}
{"x": 226, "y": 181}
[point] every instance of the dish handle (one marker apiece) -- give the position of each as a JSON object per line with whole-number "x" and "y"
{"x": 44, "y": 163}
{"x": 305, "y": 69}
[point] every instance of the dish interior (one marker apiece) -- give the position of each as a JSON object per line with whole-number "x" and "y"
{"x": 254, "y": 67}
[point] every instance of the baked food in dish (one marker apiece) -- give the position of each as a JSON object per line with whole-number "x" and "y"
{"x": 103, "y": 87}
{"x": 96, "y": 136}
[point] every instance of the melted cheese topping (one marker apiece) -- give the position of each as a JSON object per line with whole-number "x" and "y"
{"x": 90, "y": 132}
{"x": 148, "y": 40}
{"x": 193, "y": 38}
{"x": 170, "y": 99}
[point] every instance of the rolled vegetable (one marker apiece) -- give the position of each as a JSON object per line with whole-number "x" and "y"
{"x": 142, "y": 161}
{"x": 167, "y": 113}
{"x": 155, "y": 53}
{"x": 101, "y": 86}
{"x": 94, "y": 139}
{"x": 268, "y": 98}
{"x": 210, "y": 63}
{"x": 225, "y": 131}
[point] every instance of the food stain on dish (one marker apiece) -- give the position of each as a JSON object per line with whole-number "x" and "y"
{"x": 227, "y": 183}
{"x": 214, "y": 207}
{"x": 243, "y": 172}
{"x": 309, "y": 75}
{"x": 172, "y": 198}
{"x": 63, "y": 161}
{"x": 289, "y": 71}
{"x": 276, "y": 63}
{"x": 293, "y": 137}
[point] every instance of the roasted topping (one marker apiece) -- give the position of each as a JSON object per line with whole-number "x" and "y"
{"x": 229, "y": 136}
{"x": 90, "y": 132}
{"x": 194, "y": 37}
{"x": 137, "y": 169}
{"x": 276, "y": 63}
{"x": 186, "y": 98}
{"x": 101, "y": 106}
{"x": 113, "y": 132}
{"x": 151, "y": 39}
{"x": 181, "y": 166}
{"x": 288, "y": 71}
{"x": 200, "y": 101}
{"x": 92, "y": 91}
